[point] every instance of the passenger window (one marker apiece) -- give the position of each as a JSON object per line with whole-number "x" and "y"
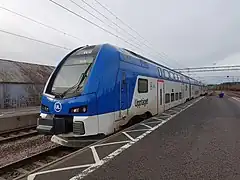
{"x": 182, "y": 79}
{"x": 176, "y": 96}
{"x": 172, "y": 97}
{"x": 142, "y": 85}
{"x": 160, "y": 72}
{"x": 180, "y": 95}
{"x": 166, "y": 74}
{"x": 167, "y": 98}
{"x": 175, "y": 76}
{"x": 178, "y": 77}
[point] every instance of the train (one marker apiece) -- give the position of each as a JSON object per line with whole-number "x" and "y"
{"x": 97, "y": 89}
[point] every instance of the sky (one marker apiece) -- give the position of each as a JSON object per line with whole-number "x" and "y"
{"x": 175, "y": 33}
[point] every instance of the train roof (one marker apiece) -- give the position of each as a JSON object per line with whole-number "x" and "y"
{"x": 154, "y": 62}
{"x": 120, "y": 49}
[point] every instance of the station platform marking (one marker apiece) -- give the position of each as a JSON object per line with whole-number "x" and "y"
{"x": 236, "y": 98}
{"x": 132, "y": 135}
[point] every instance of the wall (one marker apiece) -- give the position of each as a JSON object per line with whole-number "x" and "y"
{"x": 20, "y": 95}
{"x": 21, "y": 84}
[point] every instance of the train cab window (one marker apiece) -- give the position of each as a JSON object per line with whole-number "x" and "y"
{"x": 172, "y": 97}
{"x": 167, "y": 98}
{"x": 171, "y": 75}
{"x": 160, "y": 72}
{"x": 166, "y": 74}
{"x": 142, "y": 85}
{"x": 180, "y": 95}
{"x": 176, "y": 96}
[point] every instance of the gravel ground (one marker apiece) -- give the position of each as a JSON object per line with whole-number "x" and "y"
{"x": 16, "y": 150}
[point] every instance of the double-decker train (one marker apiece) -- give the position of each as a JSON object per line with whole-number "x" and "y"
{"x": 97, "y": 89}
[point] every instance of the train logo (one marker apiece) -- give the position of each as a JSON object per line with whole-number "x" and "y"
{"x": 57, "y": 106}
{"x": 141, "y": 102}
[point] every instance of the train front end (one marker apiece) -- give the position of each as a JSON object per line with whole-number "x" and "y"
{"x": 68, "y": 104}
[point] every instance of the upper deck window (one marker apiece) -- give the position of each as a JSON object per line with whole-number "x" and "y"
{"x": 160, "y": 72}
{"x": 171, "y": 75}
{"x": 175, "y": 76}
{"x": 166, "y": 73}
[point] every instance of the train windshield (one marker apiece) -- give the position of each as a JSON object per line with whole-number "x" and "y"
{"x": 73, "y": 73}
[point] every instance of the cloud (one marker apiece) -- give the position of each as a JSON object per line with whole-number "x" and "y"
{"x": 191, "y": 33}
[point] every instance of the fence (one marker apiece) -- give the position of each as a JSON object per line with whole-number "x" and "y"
{"x": 13, "y": 95}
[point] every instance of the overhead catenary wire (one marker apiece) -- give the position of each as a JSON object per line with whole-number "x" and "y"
{"x": 64, "y": 33}
{"x": 89, "y": 21}
{"x": 32, "y": 39}
{"x": 160, "y": 54}
{"x": 94, "y": 15}
{"x": 40, "y": 23}
{"x": 104, "y": 7}
{"x": 107, "y": 18}
{"x": 85, "y": 19}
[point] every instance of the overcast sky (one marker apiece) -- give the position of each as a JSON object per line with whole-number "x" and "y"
{"x": 190, "y": 32}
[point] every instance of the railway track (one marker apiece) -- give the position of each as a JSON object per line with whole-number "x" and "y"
{"x": 20, "y": 169}
{"x": 17, "y": 134}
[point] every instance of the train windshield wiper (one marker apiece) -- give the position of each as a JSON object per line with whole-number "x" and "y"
{"x": 77, "y": 85}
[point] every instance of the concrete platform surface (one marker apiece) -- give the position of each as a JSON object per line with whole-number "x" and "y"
{"x": 201, "y": 143}
{"x": 89, "y": 158}
{"x": 13, "y": 119}
{"x": 4, "y": 113}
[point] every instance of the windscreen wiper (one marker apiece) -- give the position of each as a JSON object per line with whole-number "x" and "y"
{"x": 72, "y": 87}
{"x": 84, "y": 75}
{"x": 80, "y": 80}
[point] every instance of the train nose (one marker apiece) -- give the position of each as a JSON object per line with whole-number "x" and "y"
{"x": 54, "y": 124}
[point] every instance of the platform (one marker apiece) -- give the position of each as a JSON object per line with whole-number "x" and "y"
{"x": 13, "y": 119}
{"x": 201, "y": 142}
{"x": 93, "y": 156}
{"x": 19, "y": 111}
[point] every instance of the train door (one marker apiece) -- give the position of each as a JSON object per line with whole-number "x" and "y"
{"x": 160, "y": 96}
{"x": 190, "y": 92}
{"x": 124, "y": 94}
{"x": 182, "y": 97}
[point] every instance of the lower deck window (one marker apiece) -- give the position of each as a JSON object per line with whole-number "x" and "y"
{"x": 142, "y": 85}
{"x": 172, "y": 97}
{"x": 180, "y": 95}
{"x": 167, "y": 98}
{"x": 176, "y": 96}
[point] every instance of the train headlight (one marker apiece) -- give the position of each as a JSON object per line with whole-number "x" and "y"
{"x": 44, "y": 108}
{"x": 81, "y": 109}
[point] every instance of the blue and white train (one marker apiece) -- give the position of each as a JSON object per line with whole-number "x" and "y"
{"x": 97, "y": 89}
